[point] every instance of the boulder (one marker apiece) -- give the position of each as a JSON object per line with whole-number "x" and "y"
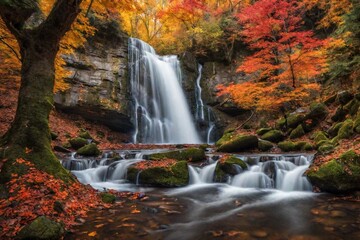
{"x": 175, "y": 175}
{"x": 356, "y": 125}
{"x": 338, "y": 175}
{"x": 297, "y": 132}
{"x": 344, "y": 97}
{"x": 294, "y": 120}
{"x": 346, "y": 130}
{"x": 352, "y": 107}
{"x": 107, "y": 197}
{"x": 326, "y": 148}
{"x": 273, "y": 136}
{"x": 319, "y": 136}
{"x": 262, "y": 131}
{"x": 340, "y": 114}
{"x": 228, "y": 165}
{"x": 42, "y": 228}
{"x": 289, "y": 146}
{"x": 334, "y": 129}
{"x": 225, "y": 138}
{"x": 318, "y": 111}
{"x": 89, "y": 150}
{"x": 78, "y": 142}
{"x": 264, "y": 145}
{"x": 330, "y": 100}
{"x": 239, "y": 143}
{"x": 188, "y": 154}
{"x": 85, "y": 134}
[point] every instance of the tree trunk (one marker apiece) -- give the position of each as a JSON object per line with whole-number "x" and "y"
{"x": 29, "y": 135}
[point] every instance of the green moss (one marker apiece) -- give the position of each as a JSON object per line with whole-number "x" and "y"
{"x": 319, "y": 136}
{"x": 273, "y": 136}
{"x": 333, "y": 131}
{"x": 78, "y": 142}
{"x": 352, "y": 107}
{"x": 294, "y": 120}
{"x": 262, "y": 131}
{"x": 107, "y": 197}
{"x": 85, "y": 134}
{"x": 174, "y": 176}
{"x": 89, "y": 150}
{"x": 346, "y": 130}
{"x": 297, "y": 132}
{"x": 264, "y": 145}
{"x": 317, "y": 112}
{"x": 42, "y": 228}
{"x": 228, "y": 166}
{"x": 281, "y": 123}
{"x": 350, "y": 157}
{"x": 225, "y": 138}
{"x": 239, "y": 143}
{"x": 189, "y": 154}
{"x": 356, "y": 125}
{"x": 287, "y": 146}
{"x": 326, "y": 148}
{"x": 306, "y": 147}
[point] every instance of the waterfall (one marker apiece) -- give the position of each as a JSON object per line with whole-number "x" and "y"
{"x": 283, "y": 173}
{"x": 203, "y": 113}
{"x": 202, "y": 175}
{"x": 161, "y": 113}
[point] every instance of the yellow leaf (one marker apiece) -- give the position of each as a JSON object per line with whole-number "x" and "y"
{"x": 92, "y": 234}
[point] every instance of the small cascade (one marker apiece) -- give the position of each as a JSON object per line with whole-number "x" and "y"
{"x": 279, "y": 172}
{"x": 203, "y": 115}
{"x": 161, "y": 113}
{"x": 202, "y": 175}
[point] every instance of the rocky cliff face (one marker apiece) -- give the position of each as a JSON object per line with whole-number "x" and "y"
{"x": 98, "y": 82}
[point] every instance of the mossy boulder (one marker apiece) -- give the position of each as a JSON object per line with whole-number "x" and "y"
{"x": 294, "y": 120}
{"x": 334, "y": 129}
{"x": 188, "y": 154}
{"x": 262, "y": 131}
{"x": 338, "y": 175}
{"x": 356, "y": 125}
{"x": 176, "y": 175}
{"x": 330, "y": 100}
{"x": 281, "y": 123}
{"x": 340, "y": 114}
{"x": 89, "y": 150}
{"x": 42, "y": 228}
{"x": 229, "y": 165}
{"x": 344, "y": 97}
{"x": 225, "y": 138}
{"x": 264, "y": 145}
{"x": 85, "y": 134}
{"x": 289, "y": 146}
{"x": 107, "y": 197}
{"x": 239, "y": 143}
{"x": 273, "y": 136}
{"x": 346, "y": 130}
{"x": 53, "y": 135}
{"x": 318, "y": 111}
{"x": 78, "y": 142}
{"x": 352, "y": 107}
{"x": 297, "y": 132}
{"x": 319, "y": 136}
{"x": 326, "y": 148}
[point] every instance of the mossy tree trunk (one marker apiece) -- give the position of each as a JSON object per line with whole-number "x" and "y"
{"x": 29, "y": 134}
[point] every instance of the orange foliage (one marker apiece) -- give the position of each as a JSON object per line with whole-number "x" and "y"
{"x": 150, "y": 164}
{"x": 35, "y": 193}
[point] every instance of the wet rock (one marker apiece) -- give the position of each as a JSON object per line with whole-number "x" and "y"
{"x": 273, "y": 136}
{"x": 225, "y": 138}
{"x": 42, "y": 228}
{"x": 239, "y": 143}
{"x": 188, "y": 154}
{"x": 78, "y": 142}
{"x": 89, "y": 150}
{"x": 262, "y": 131}
{"x": 229, "y": 165}
{"x": 264, "y": 145}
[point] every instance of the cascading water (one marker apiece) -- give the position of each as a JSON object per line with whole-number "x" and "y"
{"x": 202, "y": 175}
{"x": 161, "y": 114}
{"x": 203, "y": 113}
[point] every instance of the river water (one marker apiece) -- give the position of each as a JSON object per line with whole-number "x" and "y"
{"x": 271, "y": 200}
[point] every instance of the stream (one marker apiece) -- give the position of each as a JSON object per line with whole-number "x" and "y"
{"x": 270, "y": 200}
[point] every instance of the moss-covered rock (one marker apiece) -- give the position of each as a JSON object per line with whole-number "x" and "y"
{"x": 273, "y": 136}
{"x": 352, "y": 107}
{"x": 297, "y": 132}
{"x": 42, "y": 228}
{"x": 107, "y": 197}
{"x": 89, "y": 150}
{"x": 346, "y": 130}
{"x": 264, "y": 145}
{"x": 326, "y": 148}
{"x": 78, "y": 142}
{"x": 229, "y": 165}
{"x": 306, "y": 146}
{"x": 287, "y": 146}
{"x": 54, "y": 136}
{"x": 262, "y": 131}
{"x": 356, "y": 125}
{"x": 340, "y": 114}
{"x": 225, "y": 138}
{"x": 281, "y": 123}
{"x": 239, "y": 143}
{"x": 344, "y": 97}
{"x": 318, "y": 111}
{"x": 188, "y": 154}
{"x": 338, "y": 175}
{"x": 319, "y": 136}
{"x": 334, "y": 129}
{"x": 176, "y": 175}
{"x": 85, "y": 134}
{"x": 294, "y": 120}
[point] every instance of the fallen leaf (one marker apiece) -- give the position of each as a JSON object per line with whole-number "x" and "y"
{"x": 92, "y": 234}
{"x": 135, "y": 211}
{"x": 99, "y": 225}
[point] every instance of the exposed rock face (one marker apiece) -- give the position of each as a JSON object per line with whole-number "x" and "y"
{"x": 98, "y": 81}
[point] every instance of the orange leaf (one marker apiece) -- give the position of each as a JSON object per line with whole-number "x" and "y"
{"x": 92, "y": 234}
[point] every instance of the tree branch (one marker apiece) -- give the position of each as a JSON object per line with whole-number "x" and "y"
{"x": 10, "y": 47}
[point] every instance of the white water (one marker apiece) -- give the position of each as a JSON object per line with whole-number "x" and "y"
{"x": 202, "y": 175}
{"x": 199, "y": 101}
{"x": 161, "y": 113}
